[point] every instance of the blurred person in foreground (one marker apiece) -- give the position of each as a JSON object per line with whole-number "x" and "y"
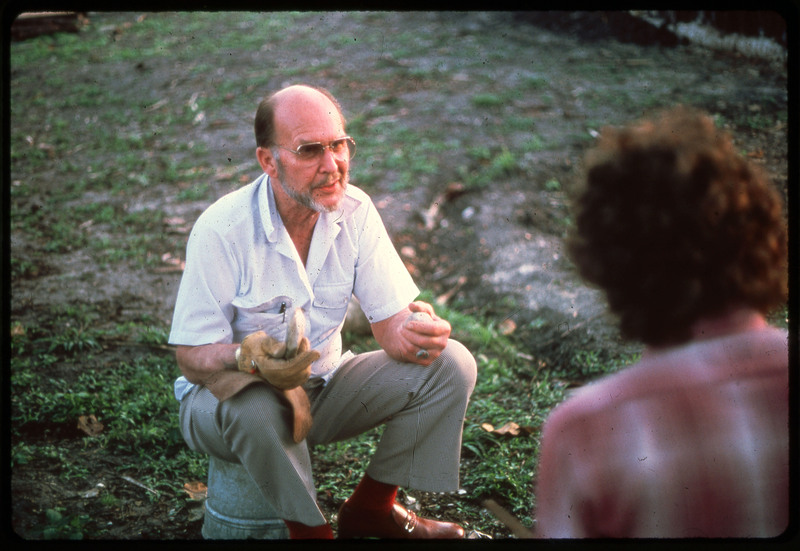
{"x": 688, "y": 242}
{"x": 270, "y": 269}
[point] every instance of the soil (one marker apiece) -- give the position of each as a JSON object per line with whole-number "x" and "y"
{"x": 496, "y": 250}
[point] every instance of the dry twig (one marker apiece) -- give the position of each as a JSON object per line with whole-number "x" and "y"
{"x": 510, "y": 521}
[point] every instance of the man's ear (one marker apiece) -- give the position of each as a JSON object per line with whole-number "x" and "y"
{"x": 267, "y": 161}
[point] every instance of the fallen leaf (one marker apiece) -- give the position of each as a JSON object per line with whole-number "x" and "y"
{"x": 429, "y": 215}
{"x": 507, "y": 326}
{"x": 222, "y": 175}
{"x": 90, "y": 425}
{"x": 181, "y": 230}
{"x": 167, "y": 258}
{"x": 94, "y": 492}
{"x": 174, "y": 264}
{"x": 197, "y": 490}
{"x": 170, "y": 269}
{"x": 410, "y": 267}
{"x": 17, "y": 329}
{"x": 174, "y": 221}
{"x": 454, "y": 190}
{"x": 509, "y": 429}
{"x": 442, "y": 299}
{"x": 49, "y": 149}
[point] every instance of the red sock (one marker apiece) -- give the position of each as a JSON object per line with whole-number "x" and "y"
{"x": 298, "y": 531}
{"x": 373, "y": 495}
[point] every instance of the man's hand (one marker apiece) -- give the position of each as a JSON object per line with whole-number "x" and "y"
{"x": 415, "y": 334}
{"x": 285, "y": 365}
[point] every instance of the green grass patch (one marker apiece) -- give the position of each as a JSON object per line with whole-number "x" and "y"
{"x": 490, "y": 164}
{"x": 487, "y": 100}
{"x": 132, "y": 399}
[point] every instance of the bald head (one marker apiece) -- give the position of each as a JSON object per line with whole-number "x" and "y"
{"x": 283, "y": 105}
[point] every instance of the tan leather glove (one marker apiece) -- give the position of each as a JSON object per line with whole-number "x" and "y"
{"x": 285, "y": 365}
{"x": 262, "y": 354}
{"x": 301, "y": 412}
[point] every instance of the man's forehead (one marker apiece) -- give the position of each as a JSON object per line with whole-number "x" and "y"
{"x": 302, "y": 97}
{"x": 303, "y": 112}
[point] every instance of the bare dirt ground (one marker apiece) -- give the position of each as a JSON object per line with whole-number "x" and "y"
{"x": 498, "y": 250}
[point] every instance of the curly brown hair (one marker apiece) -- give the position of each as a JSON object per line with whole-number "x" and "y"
{"x": 674, "y": 226}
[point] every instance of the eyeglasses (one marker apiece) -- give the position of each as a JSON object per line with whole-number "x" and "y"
{"x": 341, "y": 148}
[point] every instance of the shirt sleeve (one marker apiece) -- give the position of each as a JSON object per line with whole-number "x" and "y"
{"x": 203, "y": 307}
{"x": 382, "y": 283}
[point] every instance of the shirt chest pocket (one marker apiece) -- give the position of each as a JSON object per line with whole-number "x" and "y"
{"x": 330, "y": 303}
{"x": 269, "y": 316}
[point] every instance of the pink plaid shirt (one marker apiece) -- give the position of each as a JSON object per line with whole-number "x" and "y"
{"x": 693, "y": 441}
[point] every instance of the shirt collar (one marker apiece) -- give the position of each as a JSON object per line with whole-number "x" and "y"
{"x": 270, "y": 219}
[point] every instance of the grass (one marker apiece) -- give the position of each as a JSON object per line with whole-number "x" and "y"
{"x": 140, "y": 427}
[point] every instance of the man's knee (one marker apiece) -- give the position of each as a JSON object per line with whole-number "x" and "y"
{"x": 457, "y": 358}
{"x": 255, "y": 410}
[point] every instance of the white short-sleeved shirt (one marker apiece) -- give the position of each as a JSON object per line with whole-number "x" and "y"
{"x": 243, "y": 274}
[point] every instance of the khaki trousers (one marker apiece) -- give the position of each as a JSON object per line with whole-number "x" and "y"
{"x": 422, "y": 409}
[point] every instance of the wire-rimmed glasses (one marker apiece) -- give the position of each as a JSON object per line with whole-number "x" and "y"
{"x": 342, "y": 148}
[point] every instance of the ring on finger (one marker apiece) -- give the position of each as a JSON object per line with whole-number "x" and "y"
{"x": 422, "y": 354}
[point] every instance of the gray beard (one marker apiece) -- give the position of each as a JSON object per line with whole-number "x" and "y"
{"x": 306, "y": 199}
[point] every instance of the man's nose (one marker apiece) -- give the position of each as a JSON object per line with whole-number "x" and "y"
{"x": 329, "y": 161}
